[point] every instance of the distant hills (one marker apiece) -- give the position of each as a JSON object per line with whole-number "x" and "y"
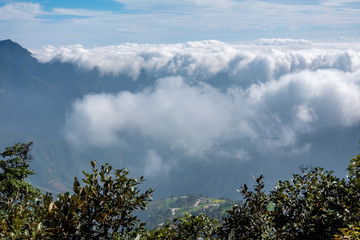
{"x": 159, "y": 211}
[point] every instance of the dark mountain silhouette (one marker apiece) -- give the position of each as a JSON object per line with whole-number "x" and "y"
{"x": 14, "y": 53}
{"x": 18, "y": 68}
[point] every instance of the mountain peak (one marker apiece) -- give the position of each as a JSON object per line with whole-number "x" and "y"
{"x": 14, "y": 52}
{"x": 7, "y": 41}
{"x": 11, "y": 45}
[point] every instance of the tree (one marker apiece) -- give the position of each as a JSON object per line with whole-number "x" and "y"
{"x": 314, "y": 204}
{"x": 309, "y": 206}
{"x": 101, "y": 209}
{"x": 187, "y": 227}
{"x": 14, "y": 170}
{"x": 17, "y": 197}
{"x": 250, "y": 220}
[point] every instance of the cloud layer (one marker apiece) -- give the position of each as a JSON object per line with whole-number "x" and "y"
{"x": 279, "y": 90}
{"x": 197, "y": 118}
{"x": 262, "y": 60}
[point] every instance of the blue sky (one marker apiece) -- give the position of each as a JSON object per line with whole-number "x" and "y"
{"x": 108, "y": 22}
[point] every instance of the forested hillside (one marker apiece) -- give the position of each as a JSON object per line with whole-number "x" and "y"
{"x": 159, "y": 211}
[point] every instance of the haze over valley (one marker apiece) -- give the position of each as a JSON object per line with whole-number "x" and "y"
{"x": 201, "y": 116}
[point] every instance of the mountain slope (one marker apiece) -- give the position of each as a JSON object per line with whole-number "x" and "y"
{"x": 173, "y": 207}
{"x": 18, "y": 68}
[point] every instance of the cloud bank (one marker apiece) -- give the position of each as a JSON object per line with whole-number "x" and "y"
{"x": 260, "y": 61}
{"x": 198, "y": 118}
{"x": 279, "y": 90}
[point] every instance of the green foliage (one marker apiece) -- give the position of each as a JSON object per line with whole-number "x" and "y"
{"x": 309, "y": 206}
{"x": 351, "y": 191}
{"x": 250, "y": 220}
{"x": 101, "y": 209}
{"x": 314, "y": 204}
{"x": 14, "y": 170}
{"x": 348, "y": 233}
{"x": 187, "y": 227}
{"x": 17, "y": 197}
{"x": 159, "y": 211}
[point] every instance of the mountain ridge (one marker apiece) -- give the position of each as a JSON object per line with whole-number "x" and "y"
{"x": 17, "y": 68}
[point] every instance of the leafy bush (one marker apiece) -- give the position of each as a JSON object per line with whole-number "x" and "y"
{"x": 312, "y": 205}
{"x": 17, "y": 197}
{"x": 348, "y": 233}
{"x": 100, "y": 209}
{"x": 187, "y": 227}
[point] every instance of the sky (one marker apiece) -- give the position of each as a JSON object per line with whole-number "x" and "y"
{"x": 34, "y": 24}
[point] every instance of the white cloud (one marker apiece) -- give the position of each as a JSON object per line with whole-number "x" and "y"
{"x": 20, "y": 11}
{"x": 304, "y": 113}
{"x": 174, "y": 21}
{"x": 154, "y": 165}
{"x": 282, "y": 41}
{"x": 78, "y": 12}
{"x": 175, "y": 5}
{"x": 338, "y": 3}
{"x": 197, "y": 118}
{"x": 293, "y": 14}
{"x": 185, "y": 117}
{"x": 260, "y": 61}
{"x": 324, "y": 98}
{"x": 279, "y": 91}
{"x": 15, "y": 11}
{"x": 236, "y": 5}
